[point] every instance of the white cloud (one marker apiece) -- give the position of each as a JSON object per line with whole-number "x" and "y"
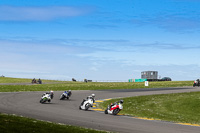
{"x": 44, "y": 58}
{"x": 24, "y": 13}
{"x": 93, "y": 69}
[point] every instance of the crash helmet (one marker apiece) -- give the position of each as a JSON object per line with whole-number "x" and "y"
{"x": 51, "y": 91}
{"x": 121, "y": 101}
{"x": 69, "y": 90}
{"x": 93, "y": 95}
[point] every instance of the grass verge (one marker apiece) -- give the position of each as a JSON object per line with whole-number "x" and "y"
{"x": 91, "y": 86}
{"x": 21, "y": 80}
{"x": 183, "y": 107}
{"x": 16, "y": 124}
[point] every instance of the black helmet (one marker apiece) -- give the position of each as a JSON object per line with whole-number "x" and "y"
{"x": 121, "y": 101}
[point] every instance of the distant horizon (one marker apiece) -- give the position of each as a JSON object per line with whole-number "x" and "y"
{"x": 82, "y": 80}
{"x": 100, "y": 39}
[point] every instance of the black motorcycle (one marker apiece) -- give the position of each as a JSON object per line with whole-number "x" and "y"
{"x": 196, "y": 83}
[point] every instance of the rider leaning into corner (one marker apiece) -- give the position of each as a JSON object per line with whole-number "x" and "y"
{"x": 116, "y": 103}
{"x": 89, "y": 97}
{"x": 51, "y": 94}
{"x": 69, "y": 92}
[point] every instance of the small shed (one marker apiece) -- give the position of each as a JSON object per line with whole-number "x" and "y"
{"x": 153, "y": 75}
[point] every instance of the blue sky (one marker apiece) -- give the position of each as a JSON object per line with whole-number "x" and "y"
{"x": 99, "y": 39}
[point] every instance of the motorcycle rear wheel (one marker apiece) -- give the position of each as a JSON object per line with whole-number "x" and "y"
{"x": 115, "y": 112}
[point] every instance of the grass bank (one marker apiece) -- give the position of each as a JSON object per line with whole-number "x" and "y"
{"x": 21, "y": 80}
{"x": 16, "y": 124}
{"x": 91, "y": 86}
{"x": 183, "y": 107}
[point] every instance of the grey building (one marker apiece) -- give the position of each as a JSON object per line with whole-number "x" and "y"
{"x": 149, "y": 75}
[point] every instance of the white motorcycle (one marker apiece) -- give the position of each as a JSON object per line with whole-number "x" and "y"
{"x": 45, "y": 98}
{"x": 114, "y": 109}
{"x": 86, "y": 104}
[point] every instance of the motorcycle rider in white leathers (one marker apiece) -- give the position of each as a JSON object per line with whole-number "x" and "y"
{"x": 89, "y": 97}
{"x": 50, "y": 93}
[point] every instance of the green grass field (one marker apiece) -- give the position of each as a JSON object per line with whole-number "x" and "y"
{"x": 183, "y": 107}
{"x": 16, "y": 124}
{"x": 21, "y": 80}
{"x": 66, "y": 85}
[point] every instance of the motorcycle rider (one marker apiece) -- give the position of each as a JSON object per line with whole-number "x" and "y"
{"x": 34, "y": 81}
{"x": 69, "y": 92}
{"x": 196, "y": 83}
{"x": 92, "y": 96}
{"x": 116, "y": 103}
{"x": 50, "y": 93}
{"x": 39, "y": 81}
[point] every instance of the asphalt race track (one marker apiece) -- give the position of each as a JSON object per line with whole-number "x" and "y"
{"x": 67, "y": 111}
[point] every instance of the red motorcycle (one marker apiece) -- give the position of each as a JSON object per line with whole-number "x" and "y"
{"x": 115, "y": 108}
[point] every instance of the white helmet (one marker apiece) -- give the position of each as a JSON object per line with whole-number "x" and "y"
{"x": 93, "y": 95}
{"x": 51, "y": 91}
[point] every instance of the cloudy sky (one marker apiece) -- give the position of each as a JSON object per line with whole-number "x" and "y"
{"x": 99, "y": 39}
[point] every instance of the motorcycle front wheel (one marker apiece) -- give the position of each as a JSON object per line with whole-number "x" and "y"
{"x": 87, "y": 106}
{"x": 115, "y": 112}
{"x": 106, "y": 111}
{"x": 62, "y": 97}
{"x": 42, "y": 101}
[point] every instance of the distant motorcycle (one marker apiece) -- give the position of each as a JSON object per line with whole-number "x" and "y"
{"x": 45, "y": 98}
{"x": 65, "y": 94}
{"x": 115, "y": 108}
{"x": 86, "y": 104}
{"x": 196, "y": 83}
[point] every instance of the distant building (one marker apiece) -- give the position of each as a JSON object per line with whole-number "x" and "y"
{"x": 152, "y": 75}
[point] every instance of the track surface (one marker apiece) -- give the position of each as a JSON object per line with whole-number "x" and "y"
{"x": 67, "y": 112}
